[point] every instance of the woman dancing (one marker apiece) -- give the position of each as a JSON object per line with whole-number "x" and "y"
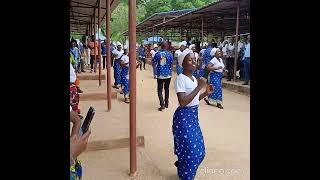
{"x": 188, "y": 140}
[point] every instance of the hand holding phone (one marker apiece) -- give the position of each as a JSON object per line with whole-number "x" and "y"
{"x": 87, "y": 121}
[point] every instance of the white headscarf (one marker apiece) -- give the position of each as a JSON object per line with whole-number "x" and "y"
{"x": 183, "y": 43}
{"x": 213, "y": 51}
{"x": 192, "y": 46}
{"x": 183, "y": 55}
{"x": 119, "y": 44}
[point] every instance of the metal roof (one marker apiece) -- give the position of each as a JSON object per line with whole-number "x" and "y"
{"x": 218, "y": 17}
{"x": 81, "y": 12}
{"x": 160, "y": 17}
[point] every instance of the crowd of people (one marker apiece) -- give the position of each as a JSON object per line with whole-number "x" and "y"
{"x": 196, "y": 67}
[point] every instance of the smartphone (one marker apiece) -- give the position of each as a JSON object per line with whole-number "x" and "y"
{"x": 87, "y": 121}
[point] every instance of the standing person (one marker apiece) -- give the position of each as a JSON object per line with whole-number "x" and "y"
{"x": 93, "y": 52}
{"x": 87, "y": 53}
{"x": 76, "y": 55}
{"x": 82, "y": 56}
{"x": 104, "y": 54}
{"x": 215, "y": 68}
{"x": 206, "y": 57}
{"x": 116, "y": 54}
{"x": 192, "y": 47}
{"x": 224, "y": 51}
{"x": 164, "y": 60}
{"x": 153, "y": 53}
{"x": 182, "y": 47}
{"x": 230, "y": 59}
{"x": 124, "y": 63}
{"x": 246, "y": 61}
{"x": 142, "y": 57}
{"x": 188, "y": 140}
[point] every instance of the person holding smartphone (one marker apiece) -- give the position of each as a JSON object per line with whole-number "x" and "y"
{"x": 187, "y": 135}
{"x": 215, "y": 68}
{"x": 77, "y": 146}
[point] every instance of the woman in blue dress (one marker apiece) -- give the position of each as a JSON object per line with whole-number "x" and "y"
{"x": 117, "y": 53}
{"x": 215, "y": 68}
{"x": 188, "y": 139}
{"x": 124, "y": 63}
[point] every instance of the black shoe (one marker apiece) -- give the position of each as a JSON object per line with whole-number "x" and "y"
{"x": 166, "y": 106}
{"x": 229, "y": 80}
{"x": 245, "y": 83}
{"x": 161, "y": 108}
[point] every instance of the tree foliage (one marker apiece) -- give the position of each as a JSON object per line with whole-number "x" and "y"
{"x": 146, "y": 8}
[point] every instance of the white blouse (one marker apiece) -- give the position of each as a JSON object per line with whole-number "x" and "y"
{"x": 216, "y": 63}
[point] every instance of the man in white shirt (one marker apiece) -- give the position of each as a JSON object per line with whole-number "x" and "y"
{"x": 230, "y": 59}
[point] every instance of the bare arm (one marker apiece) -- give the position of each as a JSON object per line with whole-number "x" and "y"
{"x": 203, "y": 95}
{"x": 76, "y": 121}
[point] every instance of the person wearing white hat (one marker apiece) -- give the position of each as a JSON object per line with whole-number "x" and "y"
{"x": 124, "y": 63}
{"x": 182, "y": 47}
{"x": 117, "y": 54}
{"x": 192, "y": 47}
{"x": 153, "y": 53}
{"x": 142, "y": 56}
{"x": 188, "y": 140}
{"x": 206, "y": 57}
{"x": 215, "y": 68}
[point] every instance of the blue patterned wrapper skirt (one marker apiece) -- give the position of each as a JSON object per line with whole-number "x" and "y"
{"x": 188, "y": 141}
{"x": 117, "y": 73}
{"x": 125, "y": 81}
{"x": 215, "y": 79}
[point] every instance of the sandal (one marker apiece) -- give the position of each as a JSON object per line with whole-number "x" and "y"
{"x": 219, "y": 106}
{"x": 207, "y": 101}
{"x": 126, "y": 100}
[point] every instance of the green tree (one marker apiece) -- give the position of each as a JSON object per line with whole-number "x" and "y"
{"x": 146, "y": 8}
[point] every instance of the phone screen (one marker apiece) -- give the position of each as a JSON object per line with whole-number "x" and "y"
{"x": 87, "y": 121}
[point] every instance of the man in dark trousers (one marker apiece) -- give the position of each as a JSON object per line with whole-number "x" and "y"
{"x": 164, "y": 60}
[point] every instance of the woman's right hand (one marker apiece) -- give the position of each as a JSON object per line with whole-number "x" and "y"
{"x": 79, "y": 144}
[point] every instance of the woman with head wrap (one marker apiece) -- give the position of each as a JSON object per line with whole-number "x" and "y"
{"x": 192, "y": 47}
{"x": 117, "y": 54}
{"x": 183, "y": 46}
{"x": 188, "y": 139}
{"x": 215, "y": 68}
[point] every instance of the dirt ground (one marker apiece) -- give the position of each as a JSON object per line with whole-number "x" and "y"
{"x": 226, "y": 134}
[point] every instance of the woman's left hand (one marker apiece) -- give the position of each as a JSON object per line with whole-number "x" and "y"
{"x": 209, "y": 89}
